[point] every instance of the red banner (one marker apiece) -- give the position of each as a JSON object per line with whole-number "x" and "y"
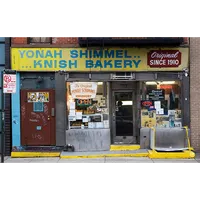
{"x": 164, "y": 58}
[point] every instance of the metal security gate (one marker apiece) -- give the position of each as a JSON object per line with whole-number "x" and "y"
{"x": 1, "y": 121}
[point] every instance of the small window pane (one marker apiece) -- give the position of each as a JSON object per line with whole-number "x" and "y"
{"x": 38, "y": 107}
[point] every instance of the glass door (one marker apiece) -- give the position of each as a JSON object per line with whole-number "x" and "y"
{"x": 123, "y": 117}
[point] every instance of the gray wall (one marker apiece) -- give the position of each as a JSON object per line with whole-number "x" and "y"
{"x": 60, "y": 96}
{"x": 37, "y": 80}
{"x": 50, "y": 81}
{"x": 89, "y": 139}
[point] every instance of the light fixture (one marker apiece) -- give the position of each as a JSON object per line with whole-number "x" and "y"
{"x": 127, "y": 103}
{"x": 160, "y": 82}
{"x": 100, "y": 83}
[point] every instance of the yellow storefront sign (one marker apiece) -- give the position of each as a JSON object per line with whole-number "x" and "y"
{"x": 91, "y": 60}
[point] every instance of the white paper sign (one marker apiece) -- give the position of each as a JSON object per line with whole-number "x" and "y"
{"x": 85, "y": 119}
{"x": 160, "y": 111}
{"x": 83, "y": 90}
{"x": 78, "y": 115}
{"x": 72, "y": 112}
{"x": 9, "y": 83}
{"x": 72, "y": 105}
{"x": 157, "y": 105}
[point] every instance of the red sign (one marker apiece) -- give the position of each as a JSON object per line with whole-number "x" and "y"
{"x": 165, "y": 87}
{"x": 146, "y": 103}
{"x": 9, "y": 83}
{"x": 164, "y": 58}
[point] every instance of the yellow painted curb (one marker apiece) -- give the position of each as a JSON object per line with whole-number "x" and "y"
{"x": 105, "y": 155}
{"x": 171, "y": 155}
{"x": 34, "y": 154}
{"x": 124, "y": 147}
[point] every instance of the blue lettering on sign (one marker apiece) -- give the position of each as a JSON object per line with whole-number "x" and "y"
{"x": 112, "y": 63}
{"x": 55, "y": 64}
{"x": 48, "y": 54}
{"x": 119, "y": 53}
{"x": 118, "y": 63}
{"x": 109, "y": 54}
{"x": 99, "y": 54}
{"x": 126, "y": 54}
{"x": 36, "y": 63}
{"x": 52, "y": 62}
{"x": 74, "y": 54}
{"x": 63, "y": 63}
{"x": 108, "y": 63}
{"x": 41, "y": 54}
{"x": 72, "y": 63}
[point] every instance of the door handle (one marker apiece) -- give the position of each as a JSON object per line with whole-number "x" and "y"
{"x": 48, "y": 118}
{"x": 52, "y": 112}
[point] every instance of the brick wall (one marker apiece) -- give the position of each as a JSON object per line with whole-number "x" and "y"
{"x": 63, "y": 41}
{"x": 56, "y": 41}
{"x": 195, "y": 92}
{"x": 19, "y": 40}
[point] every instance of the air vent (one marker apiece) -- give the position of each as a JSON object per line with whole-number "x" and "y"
{"x": 122, "y": 76}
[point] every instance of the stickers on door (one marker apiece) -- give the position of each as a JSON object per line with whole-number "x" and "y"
{"x": 38, "y": 97}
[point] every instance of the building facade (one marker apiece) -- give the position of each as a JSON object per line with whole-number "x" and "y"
{"x": 94, "y": 92}
{"x": 194, "y": 91}
{"x": 5, "y": 64}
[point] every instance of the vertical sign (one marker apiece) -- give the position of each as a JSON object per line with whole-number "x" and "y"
{"x": 9, "y": 83}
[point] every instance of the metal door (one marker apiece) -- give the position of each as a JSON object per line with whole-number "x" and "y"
{"x": 123, "y": 117}
{"x": 38, "y": 117}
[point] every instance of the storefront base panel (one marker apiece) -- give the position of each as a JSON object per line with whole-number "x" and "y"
{"x": 89, "y": 139}
{"x": 124, "y": 147}
{"x": 34, "y": 154}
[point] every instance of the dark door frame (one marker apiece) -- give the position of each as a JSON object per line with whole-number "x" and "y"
{"x": 121, "y": 139}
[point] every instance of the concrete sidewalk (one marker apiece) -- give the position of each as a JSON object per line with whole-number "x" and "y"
{"x": 101, "y": 163}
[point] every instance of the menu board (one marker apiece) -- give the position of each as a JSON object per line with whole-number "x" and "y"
{"x": 156, "y": 95}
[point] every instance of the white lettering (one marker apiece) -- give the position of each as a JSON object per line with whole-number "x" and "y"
{"x": 157, "y": 62}
{"x": 164, "y": 55}
{"x": 173, "y": 62}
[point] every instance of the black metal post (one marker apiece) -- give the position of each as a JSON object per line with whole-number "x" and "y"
{"x": 2, "y": 122}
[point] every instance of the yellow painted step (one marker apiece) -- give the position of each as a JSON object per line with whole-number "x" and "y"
{"x": 171, "y": 155}
{"x": 124, "y": 147}
{"x": 34, "y": 154}
{"x": 133, "y": 154}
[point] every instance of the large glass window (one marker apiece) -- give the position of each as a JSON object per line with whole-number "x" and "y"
{"x": 87, "y": 105}
{"x": 161, "y": 104}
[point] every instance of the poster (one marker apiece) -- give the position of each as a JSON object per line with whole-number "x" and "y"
{"x": 38, "y": 97}
{"x": 9, "y": 83}
{"x": 156, "y": 95}
{"x": 148, "y": 118}
{"x": 162, "y": 121}
{"x": 83, "y": 90}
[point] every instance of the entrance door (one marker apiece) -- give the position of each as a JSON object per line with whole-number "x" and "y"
{"x": 38, "y": 117}
{"x": 123, "y": 117}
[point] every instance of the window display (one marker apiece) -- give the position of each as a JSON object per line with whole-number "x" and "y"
{"x": 87, "y": 105}
{"x": 165, "y": 98}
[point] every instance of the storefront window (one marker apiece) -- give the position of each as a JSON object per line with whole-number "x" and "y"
{"x": 87, "y": 105}
{"x": 161, "y": 104}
